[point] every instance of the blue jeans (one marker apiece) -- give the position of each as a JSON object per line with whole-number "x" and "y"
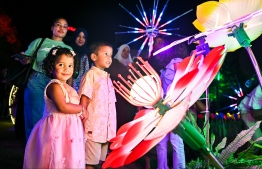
{"x": 34, "y": 100}
{"x": 179, "y": 161}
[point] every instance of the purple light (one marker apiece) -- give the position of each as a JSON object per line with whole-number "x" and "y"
{"x": 223, "y": 27}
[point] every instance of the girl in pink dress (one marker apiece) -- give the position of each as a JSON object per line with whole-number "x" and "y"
{"x": 57, "y": 140}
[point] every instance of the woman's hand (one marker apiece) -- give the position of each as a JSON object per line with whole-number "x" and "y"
{"x": 25, "y": 60}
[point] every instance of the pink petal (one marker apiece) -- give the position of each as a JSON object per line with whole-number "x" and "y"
{"x": 121, "y": 133}
{"x": 139, "y": 117}
{"x": 142, "y": 148}
{"x": 198, "y": 91}
{"x": 214, "y": 57}
{"x": 181, "y": 84}
{"x": 130, "y": 142}
{"x": 183, "y": 67}
{"x": 111, "y": 158}
{"x": 210, "y": 73}
{"x": 117, "y": 141}
{"x": 199, "y": 59}
{"x": 142, "y": 113}
{"x": 138, "y": 130}
{"x": 120, "y": 161}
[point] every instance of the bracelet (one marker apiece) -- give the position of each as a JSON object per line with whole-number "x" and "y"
{"x": 81, "y": 112}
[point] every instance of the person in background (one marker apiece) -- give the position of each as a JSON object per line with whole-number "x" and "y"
{"x": 98, "y": 97}
{"x": 125, "y": 111}
{"x": 165, "y": 64}
{"x": 179, "y": 162}
{"x": 251, "y": 110}
{"x": 157, "y": 61}
{"x": 123, "y": 55}
{"x": 79, "y": 45}
{"x": 57, "y": 140}
{"x": 34, "y": 91}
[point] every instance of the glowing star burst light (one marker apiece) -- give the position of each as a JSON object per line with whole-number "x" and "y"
{"x": 238, "y": 92}
{"x": 151, "y": 25}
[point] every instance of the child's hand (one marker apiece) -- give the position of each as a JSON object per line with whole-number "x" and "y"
{"x": 84, "y": 115}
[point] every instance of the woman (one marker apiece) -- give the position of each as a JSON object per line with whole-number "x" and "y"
{"x": 123, "y": 55}
{"x": 34, "y": 91}
{"x": 78, "y": 43}
{"x": 125, "y": 111}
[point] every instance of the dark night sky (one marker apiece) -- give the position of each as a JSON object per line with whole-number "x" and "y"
{"x": 101, "y": 18}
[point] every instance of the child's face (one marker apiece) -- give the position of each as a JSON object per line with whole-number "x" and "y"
{"x": 64, "y": 68}
{"x": 103, "y": 57}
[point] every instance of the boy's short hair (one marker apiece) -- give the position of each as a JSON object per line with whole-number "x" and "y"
{"x": 94, "y": 47}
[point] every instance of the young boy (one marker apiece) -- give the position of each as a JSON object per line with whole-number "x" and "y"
{"x": 98, "y": 97}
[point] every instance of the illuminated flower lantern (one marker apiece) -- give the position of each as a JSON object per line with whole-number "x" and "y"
{"x": 233, "y": 23}
{"x": 213, "y": 14}
{"x": 143, "y": 88}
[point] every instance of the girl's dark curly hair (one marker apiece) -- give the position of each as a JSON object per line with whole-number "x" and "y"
{"x": 49, "y": 62}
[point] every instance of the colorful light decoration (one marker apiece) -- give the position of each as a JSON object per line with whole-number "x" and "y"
{"x": 222, "y": 23}
{"x": 143, "y": 88}
{"x": 238, "y": 91}
{"x": 230, "y": 13}
{"x": 256, "y": 16}
{"x": 151, "y": 25}
{"x": 240, "y": 26}
{"x": 71, "y": 28}
{"x": 245, "y": 21}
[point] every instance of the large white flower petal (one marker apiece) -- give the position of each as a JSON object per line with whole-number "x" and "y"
{"x": 240, "y": 8}
{"x": 145, "y": 90}
{"x": 253, "y": 27}
{"x": 212, "y": 14}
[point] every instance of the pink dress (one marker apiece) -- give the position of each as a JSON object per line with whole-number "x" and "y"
{"x": 57, "y": 140}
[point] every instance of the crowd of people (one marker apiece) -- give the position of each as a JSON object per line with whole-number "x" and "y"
{"x": 71, "y": 110}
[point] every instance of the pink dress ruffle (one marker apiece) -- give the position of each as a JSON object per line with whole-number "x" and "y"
{"x": 57, "y": 140}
